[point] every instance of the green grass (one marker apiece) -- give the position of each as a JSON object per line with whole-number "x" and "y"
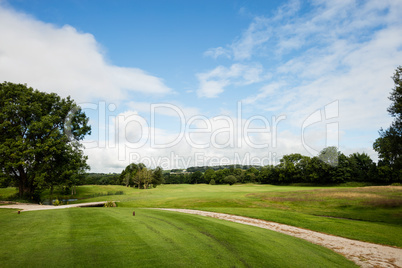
{"x": 113, "y": 237}
{"x": 7, "y": 193}
{"x": 372, "y": 214}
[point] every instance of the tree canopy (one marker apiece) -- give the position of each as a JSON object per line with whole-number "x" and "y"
{"x": 137, "y": 175}
{"x": 389, "y": 144}
{"x": 39, "y": 138}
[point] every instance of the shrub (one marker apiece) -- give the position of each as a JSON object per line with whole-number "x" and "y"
{"x": 57, "y": 202}
{"x": 212, "y": 182}
{"x": 230, "y": 179}
{"x": 109, "y": 204}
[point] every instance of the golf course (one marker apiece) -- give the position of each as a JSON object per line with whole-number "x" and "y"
{"x": 113, "y": 237}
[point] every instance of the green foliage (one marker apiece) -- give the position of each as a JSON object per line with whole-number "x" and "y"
{"x": 101, "y": 179}
{"x": 197, "y": 177}
{"x": 39, "y": 134}
{"x": 330, "y": 156}
{"x": 230, "y": 180}
{"x": 389, "y": 144}
{"x": 212, "y": 182}
{"x": 157, "y": 177}
{"x": 141, "y": 177}
{"x": 209, "y": 175}
{"x": 57, "y": 202}
{"x": 110, "y": 204}
{"x": 328, "y": 168}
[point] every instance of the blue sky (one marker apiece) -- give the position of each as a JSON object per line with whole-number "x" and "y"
{"x": 182, "y": 83}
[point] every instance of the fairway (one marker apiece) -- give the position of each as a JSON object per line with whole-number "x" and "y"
{"x": 371, "y": 214}
{"x": 113, "y": 237}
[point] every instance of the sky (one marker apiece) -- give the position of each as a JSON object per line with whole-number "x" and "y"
{"x": 192, "y": 83}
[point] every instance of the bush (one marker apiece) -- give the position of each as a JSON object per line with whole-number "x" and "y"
{"x": 57, "y": 202}
{"x": 109, "y": 204}
{"x": 230, "y": 180}
{"x": 212, "y": 182}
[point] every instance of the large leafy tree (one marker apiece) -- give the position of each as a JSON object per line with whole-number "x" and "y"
{"x": 363, "y": 168}
{"x": 139, "y": 175}
{"x": 39, "y": 138}
{"x": 389, "y": 144}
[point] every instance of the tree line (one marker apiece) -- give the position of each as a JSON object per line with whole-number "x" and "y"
{"x": 329, "y": 167}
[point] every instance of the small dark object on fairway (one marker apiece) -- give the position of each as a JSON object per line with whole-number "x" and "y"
{"x": 133, "y": 213}
{"x": 19, "y": 211}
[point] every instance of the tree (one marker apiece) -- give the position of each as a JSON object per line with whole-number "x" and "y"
{"x": 330, "y": 155}
{"x": 39, "y": 138}
{"x": 128, "y": 174}
{"x": 196, "y": 177}
{"x": 291, "y": 168}
{"x": 389, "y": 144}
{"x": 230, "y": 180}
{"x": 343, "y": 171}
{"x": 138, "y": 174}
{"x": 209, "y": 175}
{"x": 157, "y": 177}
{"x": 363, "y": 168}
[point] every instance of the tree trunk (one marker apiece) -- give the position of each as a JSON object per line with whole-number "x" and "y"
{"x": 23, "y": 181}
{"x": 21, "y": 187}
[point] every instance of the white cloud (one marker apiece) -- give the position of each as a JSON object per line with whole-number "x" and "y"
{"x": 324, "y": 22}
{"x": 217, "y": 52}
{"x": 256, "y": 35}
{"x": 269, "y": 90}
{"x": 213, "y": 83}
{"x": 65, "y": 61}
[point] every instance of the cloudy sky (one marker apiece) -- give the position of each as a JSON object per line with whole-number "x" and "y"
{"x": 183, "y": 83}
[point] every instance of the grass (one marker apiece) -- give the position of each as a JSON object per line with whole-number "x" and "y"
{"x": 372, "y": 214}
{"x": 8, "y": 193}
{"x": 112, "y": 237}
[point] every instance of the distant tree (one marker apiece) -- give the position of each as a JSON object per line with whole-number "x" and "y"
{"x": 157, "y": 177}
{"x": 389, "y": 144}
{"x": 220, "y": 175}
{"x": 362, "y": 166}
{"x": 128, "y": 174}
{"x": 290, "y": 167}
{"x": 230, "y": 180}
{"x": 251, "y": 175}
{"x": 138, "y": 175}
{"x": 266, "y": 175}
{"x": 318, "y": 171}
{"x": 343, "y": 171}
{"x": 39, "y": 138}
{"x": 143, "y": 178}
{"x": 330, "y": 155}
{"x": 209, "y": 175}
{"x": 196, "y": 177}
